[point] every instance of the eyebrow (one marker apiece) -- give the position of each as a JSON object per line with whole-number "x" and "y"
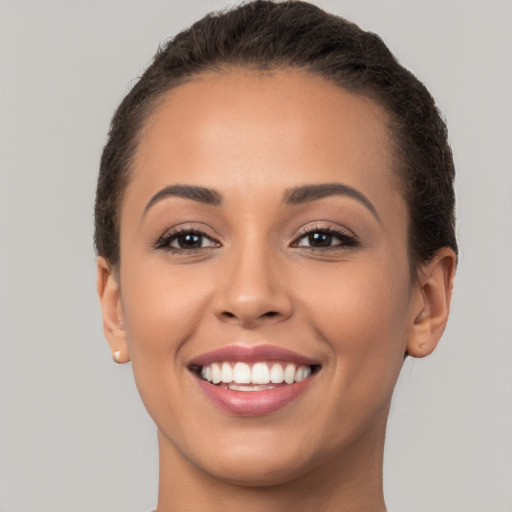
{"x": 293, "y": 196}
{"x": 199, "y": 194}
{"x": 308, "y": 193}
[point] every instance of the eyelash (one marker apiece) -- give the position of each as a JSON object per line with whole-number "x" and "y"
{"x": 346, "y": 240}
{"x": 165, "y": 241}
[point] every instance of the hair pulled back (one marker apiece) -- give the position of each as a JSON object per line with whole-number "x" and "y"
{"x": 265, "y": 35}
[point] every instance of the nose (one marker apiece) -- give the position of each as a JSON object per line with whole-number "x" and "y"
{"x": 253, "y": 290}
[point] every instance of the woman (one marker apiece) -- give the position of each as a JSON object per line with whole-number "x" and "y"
{"x": 275, "y": 233}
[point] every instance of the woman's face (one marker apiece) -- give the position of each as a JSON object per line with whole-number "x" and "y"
{"x": 263, "y": 237}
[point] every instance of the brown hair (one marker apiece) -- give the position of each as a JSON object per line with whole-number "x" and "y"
{"x": 266, "y": 35}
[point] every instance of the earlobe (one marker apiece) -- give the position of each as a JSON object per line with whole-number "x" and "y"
{"x": 112, "y": 310}
{"x": 431, "y": 303}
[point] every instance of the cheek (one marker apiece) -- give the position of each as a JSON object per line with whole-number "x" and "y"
{"x": 362, "y": 313}
{"x": 162, "y": 306}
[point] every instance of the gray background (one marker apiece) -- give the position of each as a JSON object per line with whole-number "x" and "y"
{"x": 73, "y": 433}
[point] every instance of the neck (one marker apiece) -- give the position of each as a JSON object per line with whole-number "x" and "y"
{"x": 351, "y": 481}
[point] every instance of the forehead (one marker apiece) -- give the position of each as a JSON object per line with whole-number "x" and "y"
{"x": 249, "y": 129}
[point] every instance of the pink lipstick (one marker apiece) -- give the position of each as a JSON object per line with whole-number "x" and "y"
{"x": 255, "y": 380}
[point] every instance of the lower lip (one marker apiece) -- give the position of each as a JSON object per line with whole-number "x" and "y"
{"x": 253, "y": 403}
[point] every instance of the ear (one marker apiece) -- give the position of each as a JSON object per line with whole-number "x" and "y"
{"x": 431, "y": 302}
{"x": 112, "y": 310}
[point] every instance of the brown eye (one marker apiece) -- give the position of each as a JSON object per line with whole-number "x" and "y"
{"x": 188, "y": 241}
{"x": 185, "y": 240}
{"x": 326, "y": 239}
{"x": 319, "y": 239}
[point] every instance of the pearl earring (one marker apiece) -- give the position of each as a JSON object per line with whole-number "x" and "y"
{"x": 116, "y": 356}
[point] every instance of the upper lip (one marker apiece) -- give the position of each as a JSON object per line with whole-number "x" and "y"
{"x": 252, "y": 354}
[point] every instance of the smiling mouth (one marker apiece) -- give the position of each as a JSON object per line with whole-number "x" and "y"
{"x": 258, "y": 376}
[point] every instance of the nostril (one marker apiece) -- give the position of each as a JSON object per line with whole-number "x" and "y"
{"x": 268, "y": 315}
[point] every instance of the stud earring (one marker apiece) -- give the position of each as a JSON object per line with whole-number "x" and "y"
{"x": 116, "y": 356}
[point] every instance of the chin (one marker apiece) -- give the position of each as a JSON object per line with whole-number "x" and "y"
{"x": 255, "y": 472}
{"x": 262, "y": 459}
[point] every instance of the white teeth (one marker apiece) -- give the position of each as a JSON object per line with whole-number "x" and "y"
{"x": 216, "y": 373}
{"x": 256, "y": 378}
{"x": 245, "y": 387}
{"x": 260, "y": 374}
{"x": 303, "y": 372}
{"x": 276, "y": 374}
{"x": 242, "y": 373}
{"x": 289, "y": 374}
{"x": 227, "y": 373}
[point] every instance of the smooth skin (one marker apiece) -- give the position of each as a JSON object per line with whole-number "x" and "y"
{"x": 257, "y": 275}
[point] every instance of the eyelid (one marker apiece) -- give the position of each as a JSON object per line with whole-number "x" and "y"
{"x": 328, "y": 227}
{"x": 163, "y": 241}
{"x": 346, "y": 236}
